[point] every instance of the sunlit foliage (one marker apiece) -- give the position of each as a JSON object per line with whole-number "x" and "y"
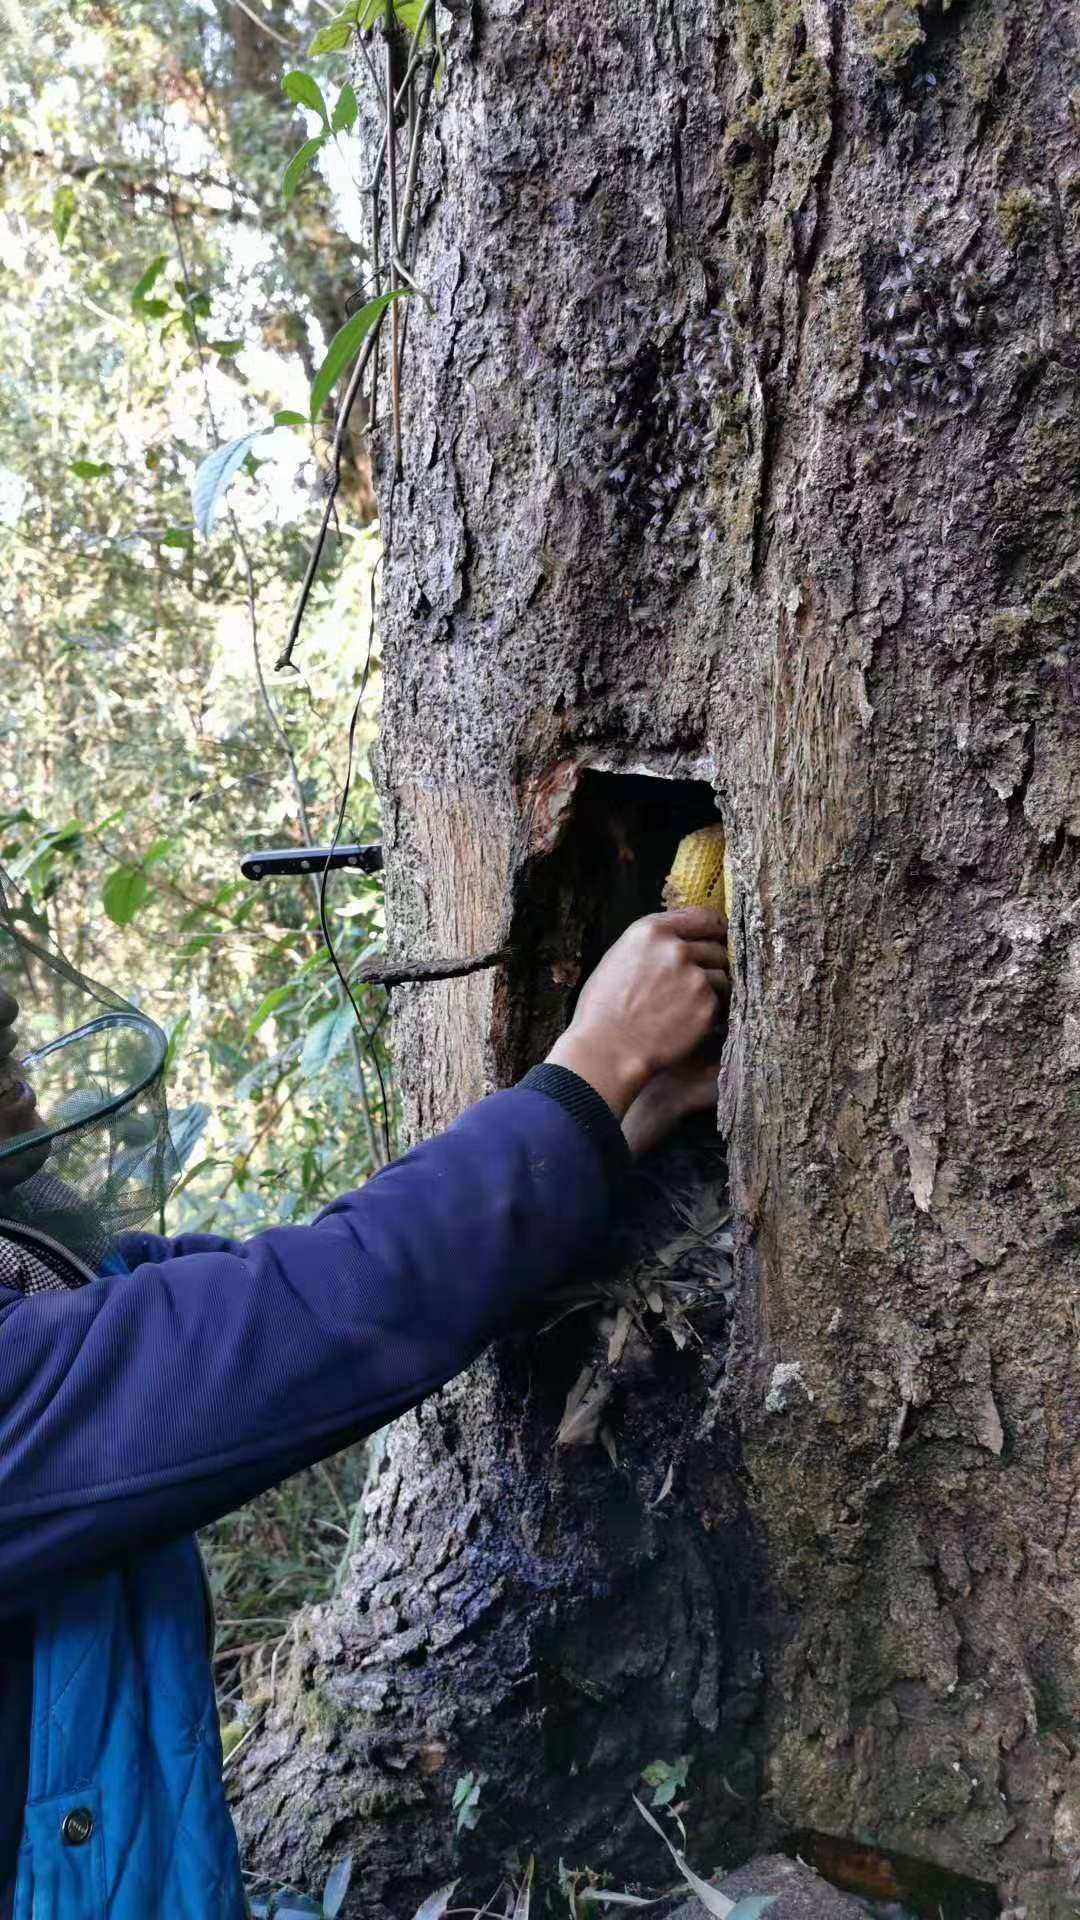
{"x": 161, "y": 296}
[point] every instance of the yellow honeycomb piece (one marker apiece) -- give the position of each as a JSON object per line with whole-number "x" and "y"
{"x": 701, "y": 872}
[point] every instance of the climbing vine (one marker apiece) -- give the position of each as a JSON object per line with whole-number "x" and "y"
{"x": 398, "y": 58}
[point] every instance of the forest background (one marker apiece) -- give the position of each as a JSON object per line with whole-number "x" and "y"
{"x": 164, "y": 289}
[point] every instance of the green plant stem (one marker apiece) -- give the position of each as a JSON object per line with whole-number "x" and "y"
{"x": 351, "y": 391}
{"x": 392, "y": 221}
{"x": 417, "y": 56}
{"x": 413, "y": 171}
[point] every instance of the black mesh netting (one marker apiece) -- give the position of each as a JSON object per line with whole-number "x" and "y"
{"x": 85, "y": 1150}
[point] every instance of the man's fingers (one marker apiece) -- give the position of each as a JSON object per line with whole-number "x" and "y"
{"x": 702, "y": 1089}
{"x": 707, "y": 953}
{"x": 696, "y": 923}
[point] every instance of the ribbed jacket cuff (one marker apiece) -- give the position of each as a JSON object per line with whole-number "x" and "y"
{"x": 585, "y": 1105}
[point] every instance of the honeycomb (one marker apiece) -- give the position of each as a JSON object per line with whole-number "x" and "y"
{"x": 701, "y": 872}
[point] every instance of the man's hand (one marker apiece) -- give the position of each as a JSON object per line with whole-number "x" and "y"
{"x": 671, "y": 1096}
{"x": 650, "y": 1003}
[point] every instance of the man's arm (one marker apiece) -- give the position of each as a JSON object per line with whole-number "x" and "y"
{"x": 148, "y": 1404}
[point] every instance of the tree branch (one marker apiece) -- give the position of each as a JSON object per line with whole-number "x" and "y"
{"x": 265, "y": 27}
{"x": 384, "y": 972}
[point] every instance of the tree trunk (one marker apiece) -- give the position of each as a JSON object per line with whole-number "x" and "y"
{"x": 739, "y": 449}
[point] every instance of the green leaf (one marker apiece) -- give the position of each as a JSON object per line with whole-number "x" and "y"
{"x": 656, "y": 1773}
{"x": 249, "y": 1083}
{"x": 345, "y": 346}
{"x": 275, "y": 998}
{"x": 186, "y": 1129}
{"x": 178, "y": 537}
{"x": 306, "y": 92}
{"x": 299, "y": 165}
{"x": 158, "y": 850}
{"x": 124, "y": 892}
{"x": 325, "y": 1041}
{"x": 223, "y": 1054}
{"x": 107, "y": 820}
{"x": 409, "y": 13}
{"x": 285, "y": 418}
{"x": 346, "y": 111}
{"x": 69, "y": 835}
{"x": 201, "y": 1166}
{"x": 331, "y": 38}
{"x": 176, "y": 1041}
{"x": 317, "y": 962}
{"x": 90, "y": 469}
{"x": 466, "y": 1800}
{"x": 226, "y": 348}
{"x": 212, "y": 478}
{"x": 337, "y": 1886}
{"x": 154, "y": 309}
{"x": 36, "y": 864}
{"x": 63, "y": 212}
{"x": 668, "y": 1777}
{"x": 146, "y": 280}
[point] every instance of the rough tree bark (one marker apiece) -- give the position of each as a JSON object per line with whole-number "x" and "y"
{"x": 741, "y": 442}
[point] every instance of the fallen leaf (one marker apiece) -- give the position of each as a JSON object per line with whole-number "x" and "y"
{"x": 585, "y": 1403}
{"x": 620, "y": 1333}
{"x": 434, "y": 1907}
{"x": 711, "y": 1898}
{"x": 669, "y": 1481}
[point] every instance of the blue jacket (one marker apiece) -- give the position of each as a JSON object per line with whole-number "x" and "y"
{"x": 151, "y": 1402}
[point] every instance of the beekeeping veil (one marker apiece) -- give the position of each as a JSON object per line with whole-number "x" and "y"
{"x": 84, "y": 1138}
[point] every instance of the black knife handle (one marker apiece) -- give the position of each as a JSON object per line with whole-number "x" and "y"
{"x": 297, "y": 861}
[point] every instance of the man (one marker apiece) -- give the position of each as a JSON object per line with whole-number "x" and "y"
{"x": 190, "y": 1374}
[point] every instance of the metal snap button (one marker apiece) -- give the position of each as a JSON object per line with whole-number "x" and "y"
{"x": 77, "y": 1827}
